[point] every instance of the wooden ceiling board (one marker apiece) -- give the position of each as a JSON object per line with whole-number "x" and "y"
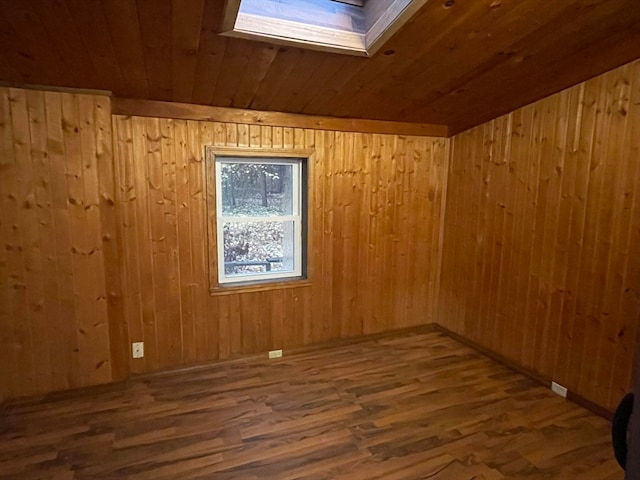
{"x": 210, "y": 55}
{"x": 25, "y": 66}
{"x": 69, "y": 47}
{"x": 462, "y": 53}
{"x": 390, "y": 69}
{"x": 331, "y": 67}
{"x": 330, "y": 90}
{"x": 581, "y": 71}
{"x": 233, "y": 67}
{"x": 504, "y": 68}
{"x": 124, "y": 30}
{"x": 538, "y": 67}
{"x": 435, "y": 60}
{"x": 290, "y": 86}
{"x": 185, "y": 40}
{"x": 33, "y": 35}
{"x": 6, "y": 71}
{"x": 457, "y": 66}
{"x": 260, "y": 62}
{"x": 283, "y": 64}
{"x": 362, "y": 85}
{"x": 155, "y": 28}
{"x": 89, "y": 21}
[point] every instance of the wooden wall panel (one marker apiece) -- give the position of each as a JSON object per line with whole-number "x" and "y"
{"x": 541, "y": 257}
{"x": 374, "y": 213}
{"x": 58, "y": 233}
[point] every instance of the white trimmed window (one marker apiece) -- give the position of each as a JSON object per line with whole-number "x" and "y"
{"x": 259, "y": 218}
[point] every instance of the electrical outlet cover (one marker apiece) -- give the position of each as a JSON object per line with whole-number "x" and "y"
{"x": 559, "y": 389}
{"x": 137, "y": 349}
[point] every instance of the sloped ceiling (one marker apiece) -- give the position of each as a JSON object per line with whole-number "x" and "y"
{"x": 456, "y": 65}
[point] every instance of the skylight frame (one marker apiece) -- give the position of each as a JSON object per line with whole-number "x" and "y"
{"x": 304, "y": 35}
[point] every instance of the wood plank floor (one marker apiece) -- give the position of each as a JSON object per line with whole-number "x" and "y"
{"x": 415, "y": 406}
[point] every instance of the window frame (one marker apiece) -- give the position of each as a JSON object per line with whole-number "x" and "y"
{"x": 303, "y": 34}
{"x": 221, "y": 283}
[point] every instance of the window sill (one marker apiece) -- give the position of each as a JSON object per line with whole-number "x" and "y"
{"x": 259, "y": 287}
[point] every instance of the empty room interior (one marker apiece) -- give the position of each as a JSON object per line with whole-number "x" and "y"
{"x": 319, "y": 239}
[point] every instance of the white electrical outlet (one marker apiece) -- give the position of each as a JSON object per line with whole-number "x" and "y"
{"x": 275, "y": 353}
{"x": 137, "y": 349}
{"x": 559, "y": 389}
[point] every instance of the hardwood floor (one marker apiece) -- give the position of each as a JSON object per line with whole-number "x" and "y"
{"x": 415, "y": 406}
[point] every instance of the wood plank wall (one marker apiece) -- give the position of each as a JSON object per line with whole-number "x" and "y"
{"x": 541, "y": 259}
{"x": 59, "y": 278}
{"x": 374, "y": 206}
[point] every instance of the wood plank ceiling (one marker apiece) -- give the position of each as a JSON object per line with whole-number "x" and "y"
{"x": 459, "y": 65}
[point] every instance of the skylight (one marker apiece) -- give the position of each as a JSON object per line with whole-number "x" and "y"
{"x": 355, "y": 27}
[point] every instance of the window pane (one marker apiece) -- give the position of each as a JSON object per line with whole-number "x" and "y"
{"x": 258, "y": 247}
{"x": 256, "y": 189}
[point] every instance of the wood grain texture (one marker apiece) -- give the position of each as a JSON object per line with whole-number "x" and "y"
{"x": 59, "y": 242}
{"x": 411, "y": 406}
{"x": 372, "y": 199}
{"x": 457, "y": 66}
{"x": 541, "y": 259}
{"x": 183, "y": 111}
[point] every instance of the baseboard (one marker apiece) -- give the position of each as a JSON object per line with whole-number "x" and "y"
{"x": 589, "y": 405}
{"x": 96, "y": 389}
{"x": 425, "y": 328}
{"x": 339, "y": 342}
{"x": 545, "y": 381}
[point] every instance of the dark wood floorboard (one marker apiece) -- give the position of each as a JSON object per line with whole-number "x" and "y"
{"x": 416, "y": 406}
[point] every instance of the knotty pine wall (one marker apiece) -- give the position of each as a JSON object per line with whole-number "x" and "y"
{"x": 541, "y": 259}
{"x": 374, "y": 213}
{"x": 80, "y": 226}
{"x": 59, "y": 278}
